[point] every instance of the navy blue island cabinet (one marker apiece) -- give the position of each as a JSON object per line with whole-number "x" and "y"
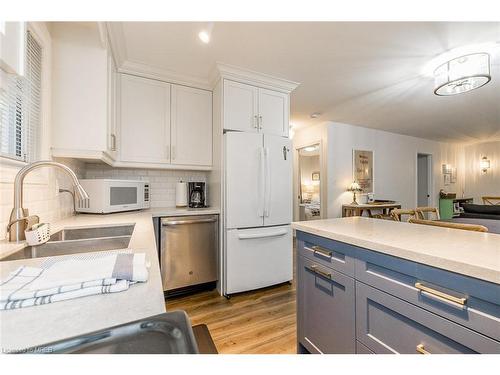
{"x": 355, "y": 300}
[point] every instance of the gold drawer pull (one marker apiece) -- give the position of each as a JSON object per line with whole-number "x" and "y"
{"x": 322, "y": 251}
{"x": 314, "y": 269}
{"x": 460, "y": 300}
{"x": 421, "y": 349}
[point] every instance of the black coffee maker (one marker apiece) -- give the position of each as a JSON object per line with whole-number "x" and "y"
{"x": 197, "y": 194}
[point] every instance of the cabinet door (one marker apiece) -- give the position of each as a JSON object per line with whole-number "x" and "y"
{"x": 240, "y": 107}
{"x": 278, "y": 189}
{"x": 111, "y": 144}
{"x": 144, "y": 120}
{"x": 325, "y": 308}
{"x": 191, "y": 126}
{"x": 273, "y": 112}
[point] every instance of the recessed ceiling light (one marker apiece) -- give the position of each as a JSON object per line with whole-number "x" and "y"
{"x": 315, "y": 114}
{"x": 204, "y": 36}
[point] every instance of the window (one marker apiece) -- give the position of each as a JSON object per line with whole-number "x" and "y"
{"x": 20, "y": 106}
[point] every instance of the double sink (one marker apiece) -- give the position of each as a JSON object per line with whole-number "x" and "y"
{"x": 79, "y": 240}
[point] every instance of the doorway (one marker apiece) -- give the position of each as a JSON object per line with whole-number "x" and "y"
{"x": 309, "y": 184}
{"x": 424, "y": 180}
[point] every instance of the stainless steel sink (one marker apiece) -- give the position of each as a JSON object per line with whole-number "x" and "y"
{"x": 78, "y": 240}
{"x": 168, "y": 333}
{"x": 92, "y": 232}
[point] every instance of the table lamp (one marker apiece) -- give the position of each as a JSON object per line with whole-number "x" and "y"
{"x": 354, "y": 188}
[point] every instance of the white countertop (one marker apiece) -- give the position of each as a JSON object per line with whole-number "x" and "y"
{"x": 32, "y": 326}
{"x": 468, "y": 253}
{"x": 182, "y": 211}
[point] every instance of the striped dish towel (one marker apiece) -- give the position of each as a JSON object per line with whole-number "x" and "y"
{"x": 72, "y": 277}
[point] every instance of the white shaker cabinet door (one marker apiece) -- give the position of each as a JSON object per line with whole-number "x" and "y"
{"x": 144, "y": 120}
{"x": 273, "y": 112}
{"x": 240, "y": 107}
{"x": 191, "y": 126}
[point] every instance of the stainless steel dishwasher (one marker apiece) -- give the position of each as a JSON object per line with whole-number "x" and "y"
{"x": 188, "y": 252}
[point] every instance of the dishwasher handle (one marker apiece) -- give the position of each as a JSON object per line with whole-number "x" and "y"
{"x": 182, "y": 222}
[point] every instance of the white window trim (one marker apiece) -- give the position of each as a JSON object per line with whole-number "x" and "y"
{"x": 42, "y": 36}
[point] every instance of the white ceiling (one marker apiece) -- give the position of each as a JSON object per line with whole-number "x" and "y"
{"x": 358, "y": 73}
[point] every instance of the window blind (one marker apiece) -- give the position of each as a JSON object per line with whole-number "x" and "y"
{"x": 20, "y": 106}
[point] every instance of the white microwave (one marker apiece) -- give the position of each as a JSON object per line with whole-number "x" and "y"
{"x": 107, "y": 196}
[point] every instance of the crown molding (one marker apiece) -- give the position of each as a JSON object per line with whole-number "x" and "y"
{"x": 116, "y": 42}
{"x": 165, "y": 75}
{"x": 243, "y": 75}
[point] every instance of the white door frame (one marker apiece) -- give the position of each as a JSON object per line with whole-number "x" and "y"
{"x": 322, "y": 178}
{"x": 430, "y": 178}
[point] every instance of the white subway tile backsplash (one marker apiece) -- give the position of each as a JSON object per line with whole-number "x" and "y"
{"x": 162, "y": 182}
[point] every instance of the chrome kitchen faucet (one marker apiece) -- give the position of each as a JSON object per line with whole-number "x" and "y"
{"x": 19, "y": 216}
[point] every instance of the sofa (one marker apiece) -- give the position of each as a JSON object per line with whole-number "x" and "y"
{"x": 480, "y": 211}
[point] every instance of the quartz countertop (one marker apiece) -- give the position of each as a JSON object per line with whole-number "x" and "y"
{"x": 32, "y": 326}
{"x": 468, "y": 253}
{"x": 182, "y": 211}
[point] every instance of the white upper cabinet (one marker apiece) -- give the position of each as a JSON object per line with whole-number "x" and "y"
{"x": 273, "y": 112}
{"x": 240, "y": 107}
{"x": 191, "y": 126}
{"x": 144, "y": 120}
{"x": 112, "y": 140}
{"x": 253, "y": 109}
{"x": 79, "y": 93}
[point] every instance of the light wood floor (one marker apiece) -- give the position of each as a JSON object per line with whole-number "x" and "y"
{"x": 259, "y": 322}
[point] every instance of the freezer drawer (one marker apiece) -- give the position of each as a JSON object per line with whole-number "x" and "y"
{"x": 188, "y": 253}
{"x": 258, "y": 257}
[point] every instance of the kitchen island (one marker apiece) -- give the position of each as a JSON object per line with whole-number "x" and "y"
{"x": 377, "y": 286}
{"x": 32, "y": 326}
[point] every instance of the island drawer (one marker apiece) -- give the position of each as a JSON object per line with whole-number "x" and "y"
{"x": 325, "y": 309}
{"x": 470, "y": 302}
{"x": 336, "y": 255}
{"x": 386, "y": 324}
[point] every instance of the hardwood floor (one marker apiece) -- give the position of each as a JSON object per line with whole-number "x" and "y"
{"x": 259, "y": 322}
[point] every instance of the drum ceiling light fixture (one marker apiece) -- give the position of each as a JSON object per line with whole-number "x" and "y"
{"x": 462, "y": 74}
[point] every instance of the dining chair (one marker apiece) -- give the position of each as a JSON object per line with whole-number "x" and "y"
{"x": 494, "y": 201}
{"x": 431, "y": 211}
{"x": 397, "y": 213}
{"x": 444, "y": 224}
{"x": 383, "y": 217}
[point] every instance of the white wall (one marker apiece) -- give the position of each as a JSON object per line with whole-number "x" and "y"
{"x": 395, "y": 163}
{"x": 162, "y": 182}
{"x": 478, "y": 184}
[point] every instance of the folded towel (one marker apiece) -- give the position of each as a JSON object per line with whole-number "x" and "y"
{"x": 72, "y": 277}
{"x": 118, "y": 286}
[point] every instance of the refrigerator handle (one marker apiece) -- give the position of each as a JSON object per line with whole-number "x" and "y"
{"x": 267, "y": 186}
{"x": 262, "y": 183}
{"x": 252, "y": 236}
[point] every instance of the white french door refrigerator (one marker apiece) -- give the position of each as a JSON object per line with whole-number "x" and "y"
{"x": 258, "y": 211}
